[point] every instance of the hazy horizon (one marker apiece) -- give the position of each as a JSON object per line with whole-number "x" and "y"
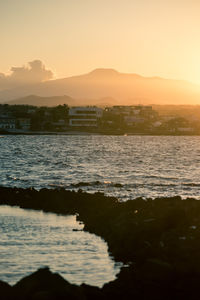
{"x": 151, "y": 38}
{"x": 51, "y": 48}
{"x": 43, "y": 74}
{"x": 124, "y": 88}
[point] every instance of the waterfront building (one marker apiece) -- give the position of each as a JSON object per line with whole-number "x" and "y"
{"x": 131, "y": 115}
{"x": 7, "y": 123}
{"x": 87, "y": 116}
{"x": 130, "y": 109}
{"x": 24, "y": 123}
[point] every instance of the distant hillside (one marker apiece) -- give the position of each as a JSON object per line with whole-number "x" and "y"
{"x": 60, "y": 100}
{"x": 101, "y": 102}
{"x": 107, "y": 83}
{"x": 43, "y": 101}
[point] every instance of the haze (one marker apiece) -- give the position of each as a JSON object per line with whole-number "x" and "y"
{"x": 151, "y": 38}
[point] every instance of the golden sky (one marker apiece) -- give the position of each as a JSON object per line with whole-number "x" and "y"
{"x": 148, "y": 37}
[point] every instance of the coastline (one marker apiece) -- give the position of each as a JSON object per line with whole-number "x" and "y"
{"x": 158, "y": 239}
{"x": 122, "y": 133}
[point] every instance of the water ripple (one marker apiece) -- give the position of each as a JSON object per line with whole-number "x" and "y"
{"x": 123, "y": 166}
{"x": 30, "y": 240}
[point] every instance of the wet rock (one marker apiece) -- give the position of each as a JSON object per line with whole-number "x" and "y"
{"x": 43, "y": 284}
{"x": 5, "y": 291}
{"x": 148, "y": 233}
{"x": 118, "y": 185}
{"x": 155, "y": 270}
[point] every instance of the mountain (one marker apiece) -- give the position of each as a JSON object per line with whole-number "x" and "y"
{"x": 127, "y": 89}
{"x": 60, "y": 100}
{"x": 43, "y": 101}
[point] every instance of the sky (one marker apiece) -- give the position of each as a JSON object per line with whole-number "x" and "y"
{"x": 71, "y": 37}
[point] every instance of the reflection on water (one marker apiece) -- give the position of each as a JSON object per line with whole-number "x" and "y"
{"x": 124, "y": 166}
{"x": 31, "y": 239}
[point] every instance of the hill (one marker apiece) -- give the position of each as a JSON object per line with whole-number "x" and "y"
{"x": 127, "y": 89}
{"x": 43, "y": 101}
{"x": 60, "y": 100}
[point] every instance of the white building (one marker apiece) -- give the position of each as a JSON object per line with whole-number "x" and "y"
{"x": 87, "y": 116}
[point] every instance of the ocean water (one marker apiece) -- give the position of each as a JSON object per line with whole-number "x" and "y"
{"x": 31, "y": 239}
{"x": 124, "y": 166}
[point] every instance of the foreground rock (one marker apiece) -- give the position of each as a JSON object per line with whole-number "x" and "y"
{"x": 160, "y": 239}
{"x": 43, "y": 284}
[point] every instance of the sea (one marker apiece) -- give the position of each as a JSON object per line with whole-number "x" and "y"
{"x": 126, "y": 167}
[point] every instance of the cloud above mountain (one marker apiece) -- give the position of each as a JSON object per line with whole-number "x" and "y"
{"x": 127, "y": 89}
{"x": 34, "y": 72}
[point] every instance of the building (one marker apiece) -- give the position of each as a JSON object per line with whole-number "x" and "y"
{"x": 132, "y": 110}
{"x": 24, "y": 123}
{"x": 7, "y": 123}
{"x": 131, "y": 115}
{"x": 87, "y": 116}
{"x": 133, "y": 120}
{"x": 60, "y": 125}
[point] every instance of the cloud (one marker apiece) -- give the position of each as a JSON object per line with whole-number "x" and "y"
{"x": 35, "y": 72}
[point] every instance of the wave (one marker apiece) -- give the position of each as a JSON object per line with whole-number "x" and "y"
{"x": 125, "y": 186}
{"x": 96, "y": 183}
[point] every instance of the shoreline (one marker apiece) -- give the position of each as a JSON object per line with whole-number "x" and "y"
{"x": 96, "y": 133}
{"x": 159, "y": 239}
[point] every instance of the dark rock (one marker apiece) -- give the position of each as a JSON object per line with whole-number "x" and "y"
{"x": 5, "y": 291}
{"x": 118, "y": 185}
{"x": 43, "y": 284}
{"x": 160, "y": 237}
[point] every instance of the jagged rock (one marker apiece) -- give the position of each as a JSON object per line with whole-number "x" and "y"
{"x": 5, "y": 291}
{"x": 43, "y": 284}
{"x": 160, "y": 237}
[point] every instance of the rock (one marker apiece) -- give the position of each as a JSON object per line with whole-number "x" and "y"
{"x": 5, "y": 291}
{"x": 43, "y": 284}
{"x": 156, "y": 270}
{"x": 145, "y": 233}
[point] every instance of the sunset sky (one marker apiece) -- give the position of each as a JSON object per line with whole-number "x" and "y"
{"x": 148, "y": 37}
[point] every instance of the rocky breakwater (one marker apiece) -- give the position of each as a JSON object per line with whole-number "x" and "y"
{"x": 158, "y": 239}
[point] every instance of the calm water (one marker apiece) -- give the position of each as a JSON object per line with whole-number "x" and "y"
{"x": 30, "y": 240}
{"x": 124, "y": 166}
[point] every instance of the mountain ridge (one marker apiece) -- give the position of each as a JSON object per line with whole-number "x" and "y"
{"x": 108, "y": 83}
{"x": 36, "y": 100}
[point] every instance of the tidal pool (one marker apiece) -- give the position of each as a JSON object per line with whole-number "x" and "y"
{"x": 33, "y": 239}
